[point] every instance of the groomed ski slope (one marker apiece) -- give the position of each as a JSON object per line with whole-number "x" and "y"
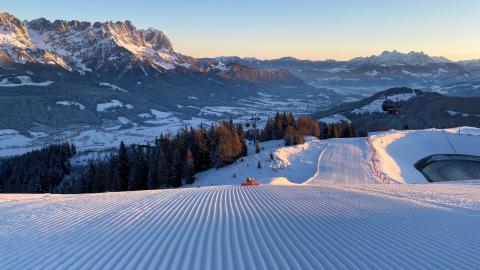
{"x": 233, "y": 227}
{"x": 382, "y": 157}
{"x": 334, "y": 161}
{"x": 321, "y": 206}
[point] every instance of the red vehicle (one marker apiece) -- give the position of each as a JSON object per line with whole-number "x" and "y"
{"x": 250, "y": 182}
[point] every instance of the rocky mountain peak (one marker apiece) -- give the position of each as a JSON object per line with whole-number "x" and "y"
{"x": 13, "y": 32}
{"x": 157, "y": 39}
{"x": 85, "y": 46}
{"x": 398, "y": 58}
{"x": 42, "y": 25}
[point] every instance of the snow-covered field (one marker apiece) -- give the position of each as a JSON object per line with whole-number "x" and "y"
{"x": 71, "y": 103}
{"x": 103, "y": 107}
{"x": 336, "y": 118}
{"x": 24, "y": 81}
{"x": 320, "y": 206}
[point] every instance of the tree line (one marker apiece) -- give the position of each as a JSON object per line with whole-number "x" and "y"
{"x": 38, "y": 171}
{"x": 285, "y": 126}
{"x": 169, "y": 161}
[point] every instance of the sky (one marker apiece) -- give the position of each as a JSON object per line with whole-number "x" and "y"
{"x": 267, "y": 29}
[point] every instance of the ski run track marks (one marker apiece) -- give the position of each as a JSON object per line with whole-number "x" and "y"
{"x": 335, "y": 215}
{"x": 233, "y": 227}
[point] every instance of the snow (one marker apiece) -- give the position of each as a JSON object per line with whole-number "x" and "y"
{"x": 396, "y": 58}
{"x": 454, "y": 113}
{"x": 465, "y": 130}
{"x": 123, "y": 120}
{"x": 71, "y": 103}
{"x": 406, "y": 72}
{"x": 99, "y": 139}
{"x": 218, "y": 110}
{"x": 372, "y": 73}
{"x": 350, "y": 99}
{"x": 441, "y": 70}
{"x": 12, "y": 142}
{"x": 336, "y": 118}
{"x": 461, "y": 196}
{"x": 24, "y": 81}
{"x": 113, "y": 87}
{"x": 230, "y": 227}
{"x": 376, "y": 105}
{"x": 336, "y": 69}
{"x": 386, "y": 155}
{"x": 160, "y": 118}
{"x": 44, "y": 41}
{"x": 398, "y": 151}
{"x": 145, "y": 115}
{"x": 221, "y": 66}
{"x": 114, "y": 103}
{"x": 38, "y": 134}
{"x": 159, "y": 114}
{"x": 162, "y": 57}
{"x": 344, "y": 161}
{"x": 320, "y": 206}
{"x": 295, "y": 163}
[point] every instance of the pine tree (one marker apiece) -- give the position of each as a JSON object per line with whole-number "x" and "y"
{"x": 267, "y": 133}
{"x": 353, "y": 131}
{"x": 177, "y": 169}
{"x": 189, "y": 169}
{"x": 289, "y": 136}
{"x": 123, "y": 169}
{"x": 139, "y": 170}
{"x": 92, "y": 183}
{"x": 163, "y": 171}
{"x": 278, "y": 127}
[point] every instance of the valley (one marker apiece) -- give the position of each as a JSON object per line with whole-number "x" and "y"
{"x": 99, "y": 83}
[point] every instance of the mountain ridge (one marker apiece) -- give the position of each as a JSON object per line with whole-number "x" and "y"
{"x": 114, "y": 48}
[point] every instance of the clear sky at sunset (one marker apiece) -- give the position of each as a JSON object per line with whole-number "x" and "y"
{"x": 309, "y": 29}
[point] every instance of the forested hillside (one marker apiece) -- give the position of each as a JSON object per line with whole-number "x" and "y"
{"x": 421, "y": 110}
{"x": 169, "y": 162}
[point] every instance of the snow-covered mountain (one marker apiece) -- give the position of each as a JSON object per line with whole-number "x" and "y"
{"x": 362, "y": 76}
{"x": 110, "y": 48}
{"x": 395, "y": 58}
{"x": 103, "y": 46}
{"x": 471, "y": 64}
{"x": 17, "y": 46}
{"x": 85, "y": 46}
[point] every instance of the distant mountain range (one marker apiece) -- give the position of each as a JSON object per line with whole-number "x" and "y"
{"x": 366, "y": 75}
{"x": 113, "y": 49}
{"x": 61, "y": 78}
